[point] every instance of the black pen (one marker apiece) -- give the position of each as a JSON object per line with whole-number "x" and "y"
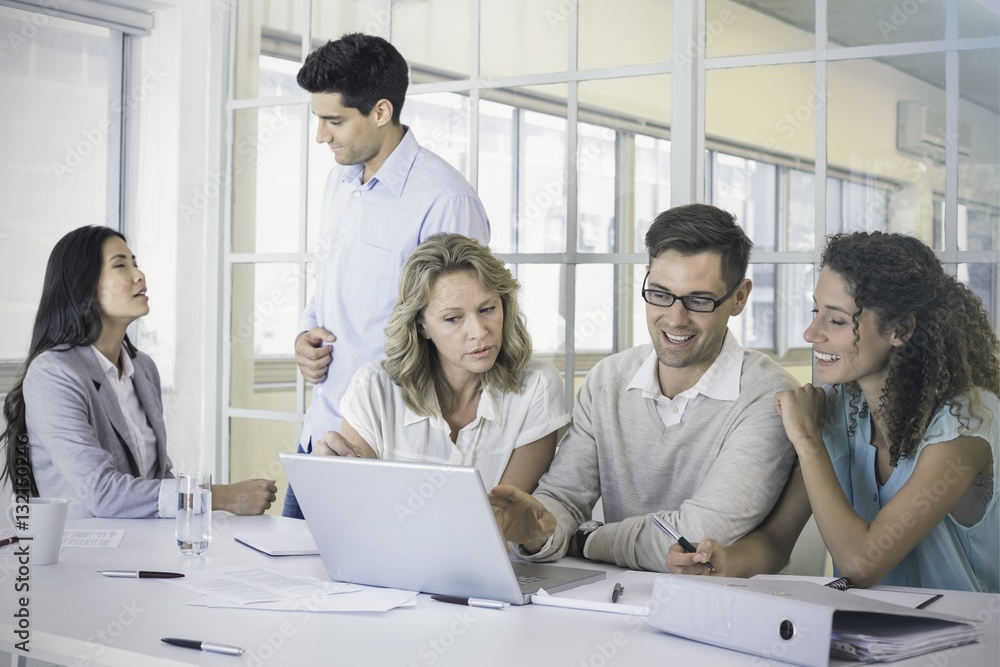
{"x": 8, "y": 540}
{"x": 617, "y": 592}
{"x": 662, "y": 524}
{"x": 140, "y": 574}
{"x": 203, "y": 646}
{"x": 471, "y": 602}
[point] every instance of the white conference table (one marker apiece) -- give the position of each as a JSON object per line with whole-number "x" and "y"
{"x": 80, "y": 618}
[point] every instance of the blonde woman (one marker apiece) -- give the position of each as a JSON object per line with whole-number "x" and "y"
{"x": 458, "y": 385}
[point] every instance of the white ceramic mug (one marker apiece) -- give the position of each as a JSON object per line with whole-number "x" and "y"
{"x": 39, "y": 526}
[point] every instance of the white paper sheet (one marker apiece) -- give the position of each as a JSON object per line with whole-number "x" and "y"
{"x": 363, "y": 599}
{"x": 633, "y": 601}
{"x": 73, "y": 539}
{"x": 242, "y": 585}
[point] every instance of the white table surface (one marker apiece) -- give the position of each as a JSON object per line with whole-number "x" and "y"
{"x": 71, "y": 607}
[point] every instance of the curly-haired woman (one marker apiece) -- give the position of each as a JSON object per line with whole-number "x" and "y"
{"x": 897, "y": 451}
{"x": 458, "y": 385}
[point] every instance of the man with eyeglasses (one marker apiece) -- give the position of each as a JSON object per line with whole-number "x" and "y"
{"x": 685, "y": 428}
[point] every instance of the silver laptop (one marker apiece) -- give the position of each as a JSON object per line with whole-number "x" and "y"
{"x": 415, "y": 526}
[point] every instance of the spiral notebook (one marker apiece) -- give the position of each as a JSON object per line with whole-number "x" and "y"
{"x": 909, "y": 599}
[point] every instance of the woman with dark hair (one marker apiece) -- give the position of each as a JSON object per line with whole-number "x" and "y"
{"x": 458, "y": 385}
{"x": 898, "y": 450}
{"x": 85, "y": 420}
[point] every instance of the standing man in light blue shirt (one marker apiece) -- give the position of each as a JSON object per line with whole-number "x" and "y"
{"x": 389, "y": 195}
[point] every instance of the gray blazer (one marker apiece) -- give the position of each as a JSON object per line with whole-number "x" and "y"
{"x": 80, "y": 445}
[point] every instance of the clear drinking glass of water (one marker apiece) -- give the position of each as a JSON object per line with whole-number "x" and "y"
{"x": 194, "y": 512}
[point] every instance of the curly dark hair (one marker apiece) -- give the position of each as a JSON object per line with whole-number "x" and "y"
{"x": 952, "y": 347}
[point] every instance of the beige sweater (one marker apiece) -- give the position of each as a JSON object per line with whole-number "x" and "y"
{"x": 717, "y": 474}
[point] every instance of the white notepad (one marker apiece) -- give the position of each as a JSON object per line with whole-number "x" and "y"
{"x": 281, "y": 543}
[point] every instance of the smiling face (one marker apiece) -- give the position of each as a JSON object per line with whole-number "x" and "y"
{"x": 686, "y": 342}
{"x": 353, "y": 137}
{"x": 121, "y": 289}
{"x": 464, "y": 322}
{"x": 841, "y": 358}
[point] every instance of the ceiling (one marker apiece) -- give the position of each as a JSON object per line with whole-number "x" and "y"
{"x": 868, "y": 22}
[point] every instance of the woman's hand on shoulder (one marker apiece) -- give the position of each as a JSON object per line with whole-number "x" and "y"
{"x": 251, "y": 496}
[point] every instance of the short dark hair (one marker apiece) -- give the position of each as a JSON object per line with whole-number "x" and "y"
{"x": 697, "y": 228}
{"x": 363, "y": 69}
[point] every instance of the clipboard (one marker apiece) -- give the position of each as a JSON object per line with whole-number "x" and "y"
{"x": 798, "y": 621}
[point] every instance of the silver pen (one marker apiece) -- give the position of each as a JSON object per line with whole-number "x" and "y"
{"x": 203, "y": 646}
{"x": 675, "y": 534}
{"x": 140, "y": 574}
{"x": 471, "y": 602}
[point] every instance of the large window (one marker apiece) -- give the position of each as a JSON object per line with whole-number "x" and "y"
{"x": 61, "y": 115}
{"x": 579, "y": 122}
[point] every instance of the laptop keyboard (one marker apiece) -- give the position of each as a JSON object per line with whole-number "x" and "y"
{"x": 525, "y": 579}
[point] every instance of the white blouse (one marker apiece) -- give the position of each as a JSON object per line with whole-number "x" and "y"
{"x": 374, "y": 406}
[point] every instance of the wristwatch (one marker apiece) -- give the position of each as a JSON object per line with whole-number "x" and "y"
{"x": 583, "y": 532}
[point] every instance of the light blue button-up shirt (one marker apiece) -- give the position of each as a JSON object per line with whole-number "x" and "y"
{"x": 951, "y": 556}
{"x": 367, "y": 232}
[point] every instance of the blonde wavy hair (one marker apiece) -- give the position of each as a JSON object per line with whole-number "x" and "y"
{"x": 411, "y": 360}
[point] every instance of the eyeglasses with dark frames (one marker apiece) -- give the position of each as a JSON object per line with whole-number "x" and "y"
{"x": 696, "y": 304}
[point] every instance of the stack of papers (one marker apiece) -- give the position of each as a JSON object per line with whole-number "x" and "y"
{"x": 873, "y": 638}
{"x": 264, "y": 588}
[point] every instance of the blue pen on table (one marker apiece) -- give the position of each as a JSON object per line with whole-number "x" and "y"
{"x": 203, "y": 646}
{"x": 675, "y": 534}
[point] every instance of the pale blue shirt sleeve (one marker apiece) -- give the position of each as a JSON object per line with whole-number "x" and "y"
{"x": 167, "y": 500}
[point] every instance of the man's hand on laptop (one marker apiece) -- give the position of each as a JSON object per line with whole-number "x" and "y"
{"x": 334, "y": 444}
{"x": 522, "y": 519}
